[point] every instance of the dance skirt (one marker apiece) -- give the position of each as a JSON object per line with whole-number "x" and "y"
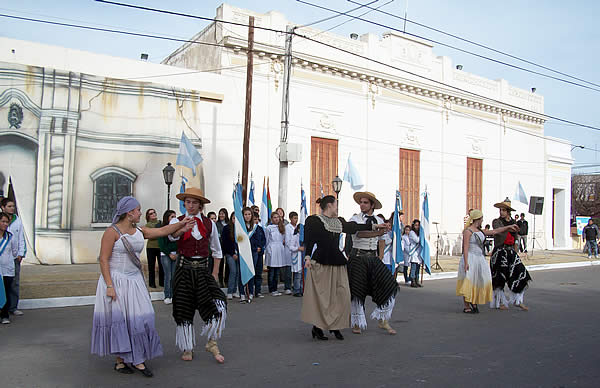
{"x": 326, "y": 301}
{"x": 125, "y": 327}
{"x": 475, "y": 285}
{"x": 507, "y": 269}
{"x": 369, "y": 276}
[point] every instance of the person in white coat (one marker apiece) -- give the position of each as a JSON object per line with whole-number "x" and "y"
{"x": 277, "y": 255}
{"x": 9, "y": 249}
{"x": 406, "y": 251}
{"x": 415, "y": 254}
{"x": 16, "y": 228}
{"x": 292, "y": 244}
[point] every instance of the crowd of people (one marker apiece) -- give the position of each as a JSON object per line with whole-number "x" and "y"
{"x": 198, "y": 255}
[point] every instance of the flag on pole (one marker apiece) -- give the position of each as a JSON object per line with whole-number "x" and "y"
{"x": 424, "y": 235}
{"x": 322, "y": 193}
{"x": 269, "y": 204}
{"x": 251, "y": 194}
{"x": 242, "y": 239}
{"x": 520, "y": 194}
{"x": 188, "y": 155}
{"x": 264, "y": 211}
{"x": 397, "y": 233}
{"x": 184, "y": 182}
{"x": 351, "y": 175}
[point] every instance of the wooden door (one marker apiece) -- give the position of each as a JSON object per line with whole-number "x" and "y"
{"x": 323, "y": 168}
{"x": 409, "y": 183}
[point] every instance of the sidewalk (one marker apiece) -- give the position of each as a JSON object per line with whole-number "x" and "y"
{"x": 45, "y": 281}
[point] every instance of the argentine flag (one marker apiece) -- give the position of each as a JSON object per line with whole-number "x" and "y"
{"x": 424, "y": 235}
{"x": 242, "y": 239}
{"x": 188, "y": 155}
{"x": 520, "y": 194}
{"x": 297, "y": 260}
{"x": 397, "y": 232}
{"x": 264, "y": 208}
{"x": 351, "y": 175}
{"x": 251, "y": 195}
{"x": 184, "y": 182}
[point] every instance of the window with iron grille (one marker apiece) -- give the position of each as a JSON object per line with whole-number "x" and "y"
{"x": 110, "y": 185}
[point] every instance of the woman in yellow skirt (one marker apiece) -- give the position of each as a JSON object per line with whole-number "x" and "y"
{"x": 474, "y": 282}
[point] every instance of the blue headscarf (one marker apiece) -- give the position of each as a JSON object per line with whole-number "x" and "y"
{"x": 125, "y": 204}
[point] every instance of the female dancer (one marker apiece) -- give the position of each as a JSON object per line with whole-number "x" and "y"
{"x": 123, "y": 322}
{"x": 326, "y": 301}
{"x": 474, "y": 282}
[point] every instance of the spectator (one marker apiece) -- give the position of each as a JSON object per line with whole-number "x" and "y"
{"x": 153, "y": 251}
{"x": 277, "y": 256}
{"x": 406, "y": 252}
{"x": 212, "y": 216}
{"x": 9, "y": 250}
{"x": 590, "y": 237}
{"x": 523, "y": 230}
{"x": 223, "y": 269}
{"x": 231, "y": 253}
{"x": 292, "y": 244}
{"x": 257, "y": 243}
{"x": 168, "y": 258}
{"x": 16, "y": 228}
{"x": 489, "y": 240}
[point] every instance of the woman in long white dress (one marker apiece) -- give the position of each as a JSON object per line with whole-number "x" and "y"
{"x": 474, "y": 281}
{"x": 123, "y": 323}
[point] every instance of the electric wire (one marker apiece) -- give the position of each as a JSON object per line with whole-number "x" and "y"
{"x": 452, "y": 47}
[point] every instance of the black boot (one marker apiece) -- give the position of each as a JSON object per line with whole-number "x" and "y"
{"x": 318, "y": 333}
{"x": 337, "y": 334}
{"x": 413, "y": 284}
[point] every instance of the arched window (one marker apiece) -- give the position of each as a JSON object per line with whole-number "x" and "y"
{"x": 110, "y": 185}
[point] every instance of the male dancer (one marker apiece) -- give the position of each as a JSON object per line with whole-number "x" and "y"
{"x": 507, "y": 268}
{"x": 16, "y": 228}
{"x": 367, "y": 274}
{"x": 194, "y": 288}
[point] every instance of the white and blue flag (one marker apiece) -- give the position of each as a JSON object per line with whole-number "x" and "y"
{"x": 251, "y": 194}
{"x": 188, "y": 155}
{"x": 184, "y": 182}
{"x": 520, "y": 194}
{"x": 351, "y": 175}
{"x": 398, "y": 254}
{"x": 264, "y": 207}
{"x": 242, "y": 239}
{"x": 424, "y": 235}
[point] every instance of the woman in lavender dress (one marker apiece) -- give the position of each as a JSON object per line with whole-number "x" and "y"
{"x": 123, "y": 322}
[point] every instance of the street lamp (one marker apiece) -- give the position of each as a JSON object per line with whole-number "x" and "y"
{"x": 168, "y": 173}
{"x": 337, "y": 186}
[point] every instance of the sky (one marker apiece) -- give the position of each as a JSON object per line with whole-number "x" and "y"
{"x": 556, "y": 34}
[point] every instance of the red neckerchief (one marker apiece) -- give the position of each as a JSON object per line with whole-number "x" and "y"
{"x": 201, "y": 228}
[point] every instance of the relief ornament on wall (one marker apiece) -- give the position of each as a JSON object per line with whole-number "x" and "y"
{"x": 15, "y": 116}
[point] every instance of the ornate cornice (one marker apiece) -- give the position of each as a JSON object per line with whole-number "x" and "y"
{"x": 381, "y": 80}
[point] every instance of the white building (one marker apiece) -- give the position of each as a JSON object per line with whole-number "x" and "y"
{"x": 89, "y": 116}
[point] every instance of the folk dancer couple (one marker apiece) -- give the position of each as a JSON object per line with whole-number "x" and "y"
{"x": 334, "y": 295}
{"x": 475, "y": 282}
{"x": 123, "y": 324}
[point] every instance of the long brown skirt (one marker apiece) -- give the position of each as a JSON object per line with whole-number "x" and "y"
{"x": 326, "y": 301}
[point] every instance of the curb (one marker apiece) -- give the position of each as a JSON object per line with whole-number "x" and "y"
{"x": 70, "y": 301}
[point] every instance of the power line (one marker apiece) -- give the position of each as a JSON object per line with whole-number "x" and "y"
{"x": 299, "y": 35}
{"x": 336, "y": 16}
{"x": 354, "y": 54}
{"x": 475, "y": 43}
{"x": 447, "y": 85}
{"x": 452, "y": 47}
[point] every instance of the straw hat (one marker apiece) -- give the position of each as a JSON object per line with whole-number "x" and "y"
{"x": 193, "y": 192}
{"x": 365, "y": 194}
{"x": 504, "y": 205}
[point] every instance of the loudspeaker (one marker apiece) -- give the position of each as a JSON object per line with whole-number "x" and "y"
{"x": 536, "y": 204}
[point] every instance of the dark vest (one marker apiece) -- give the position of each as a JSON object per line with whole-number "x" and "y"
{"x": 191, "y": 246}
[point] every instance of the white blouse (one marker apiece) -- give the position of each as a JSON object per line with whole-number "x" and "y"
{"x": 276, "y": 253}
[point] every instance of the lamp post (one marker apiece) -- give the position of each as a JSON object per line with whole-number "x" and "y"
{"x": 168, "y": 173}
{"x": 336, "y": 183}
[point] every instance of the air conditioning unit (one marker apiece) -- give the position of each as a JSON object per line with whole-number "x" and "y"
{"x": 290, "y": 152}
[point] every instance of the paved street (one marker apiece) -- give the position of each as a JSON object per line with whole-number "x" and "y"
{"x": 265, "y": 344}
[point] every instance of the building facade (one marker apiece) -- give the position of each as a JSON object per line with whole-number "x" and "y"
{"x": 95, "y": 127}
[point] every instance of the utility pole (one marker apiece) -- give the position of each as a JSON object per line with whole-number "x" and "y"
{"x": 285, "y": 114}
{"x": 249, "y": 71}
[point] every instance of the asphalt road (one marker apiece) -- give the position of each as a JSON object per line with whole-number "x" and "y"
{"x": 555, "y": 344}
